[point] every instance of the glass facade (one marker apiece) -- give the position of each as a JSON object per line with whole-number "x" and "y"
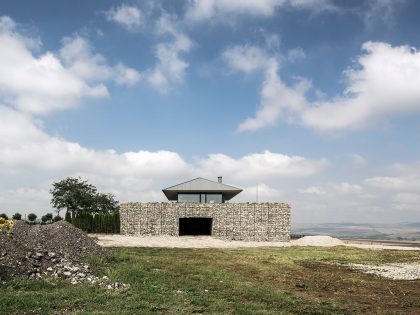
{"x": 214, "y": 198}
{"x": 203, "y": 198}
{"x": 188, "y": 197}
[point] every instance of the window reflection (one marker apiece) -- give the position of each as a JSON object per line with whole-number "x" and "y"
{"x": 188, "y": 197}
{"x": 203, "y": 198}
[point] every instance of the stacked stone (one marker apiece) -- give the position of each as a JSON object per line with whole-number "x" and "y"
{"x": 231, "y": 221}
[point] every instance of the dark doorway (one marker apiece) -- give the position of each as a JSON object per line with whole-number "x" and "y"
{"x": 195, "y": 226}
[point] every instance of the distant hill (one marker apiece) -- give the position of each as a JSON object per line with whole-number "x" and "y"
{"x": 399, "y": 231}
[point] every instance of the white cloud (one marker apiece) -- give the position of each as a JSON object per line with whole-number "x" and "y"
{"x": 277, "y": 99}
{"x": 77, "y": 55}
{"x": 139, "y": 175}
{"x": 257, "y": 167}
{"x": 171, "y": 67}
{"x": 403, "y": 186}
{"x": 380, "y": 11}
{"x": 19, "y": 199}
{"x": 338, "y": 202}
{"x": 261, "y": 192}
{"x": 40, "y": 83}
{"x": 399, "y": 183}
{"x": 316, "y": 190}
{"x": 246, "y": 58}
{"x": 333, "y": 188}
{"x": 25, "y": 145}
{"x": 129, "y": 17}
{"x": 296, "y": 54}
{"x": 383, "y": 83}
{"x": 198, "y": 10}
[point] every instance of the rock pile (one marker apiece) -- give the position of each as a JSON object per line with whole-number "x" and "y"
{"x": 402, "y": 271}
{"x": 324, "y": 241}
{"x": 56, "y": 250}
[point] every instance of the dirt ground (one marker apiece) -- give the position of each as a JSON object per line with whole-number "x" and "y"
{"x": 109, "y": 240}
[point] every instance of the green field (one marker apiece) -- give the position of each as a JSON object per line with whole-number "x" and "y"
{"x": 215, "y": 281}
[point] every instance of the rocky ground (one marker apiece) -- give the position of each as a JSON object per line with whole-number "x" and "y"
{"x": 55, "y": 250}
{"x": 391, "y": 271}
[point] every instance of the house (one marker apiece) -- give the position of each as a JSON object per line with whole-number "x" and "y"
{"x": 201, "y": 190}
{"x": 203, "y": 207}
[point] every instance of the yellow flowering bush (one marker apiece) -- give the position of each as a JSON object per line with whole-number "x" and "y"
{"x": 6, "y": 224}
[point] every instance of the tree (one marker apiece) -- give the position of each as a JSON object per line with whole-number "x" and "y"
{"x": 57, "y": 218}
{"x": 105, "y": 203}
{"x": 73, "y": 194}
{"x": 17, "y": 216}
{"x": 4, "y": 216}
{"x": 78, "y": 196}
{"x": 49, "y": 217}
{"x": 32, "y": 217}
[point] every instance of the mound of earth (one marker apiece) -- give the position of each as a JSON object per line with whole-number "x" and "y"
{"x": 324, "y": 241}
{"x": 55, "y": 250}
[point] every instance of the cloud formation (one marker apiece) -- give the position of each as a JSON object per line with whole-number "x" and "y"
{"x": 130, "y": 17}
{"x": 78, "y": 57}
{"x": 278, "y": 101}
{"x": 135, "y": 175}
{"x": 37, "y": 84}
{"x": 171, "y": 67}
{"x": 49, "y": 82}
{"x": 381, "y": 84}
{"x": 199, "y": 10}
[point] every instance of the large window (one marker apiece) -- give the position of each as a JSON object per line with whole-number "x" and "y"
{"x": 188, "y": 197}
{"x": 203, "y": 198}
{"x": 214, "y": 198}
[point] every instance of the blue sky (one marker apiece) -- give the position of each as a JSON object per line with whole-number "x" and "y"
{"x": 316, "y": 102}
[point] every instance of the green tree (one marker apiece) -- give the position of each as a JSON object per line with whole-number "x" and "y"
{"x": 74, "y": 195}
{"x": 78, "y": 196}
{"x": 17, "y": 216}
{"x": 57, "y": 218}
{"x": 32, "y": 217}
{"x": 105, "y": 203}
{"x": 49, "y": 217}
{"x": 4, "y": 216}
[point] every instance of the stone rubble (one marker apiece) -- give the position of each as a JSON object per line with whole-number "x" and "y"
{"x": 51, "y": 251}
{"x": 257, "y": 222}
{"x": 400, "y": 271}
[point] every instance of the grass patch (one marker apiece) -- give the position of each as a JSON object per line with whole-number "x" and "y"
{"x": 224, "y": 281}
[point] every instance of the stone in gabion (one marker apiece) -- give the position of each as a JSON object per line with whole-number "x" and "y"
{"x": 231, "y": 221}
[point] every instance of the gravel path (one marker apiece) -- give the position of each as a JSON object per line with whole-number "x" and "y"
{"x": 176, "y": 242}
{"x": 108, "y": 240}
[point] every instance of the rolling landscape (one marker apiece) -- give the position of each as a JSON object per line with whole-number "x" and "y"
{"x": 407, "y": 231}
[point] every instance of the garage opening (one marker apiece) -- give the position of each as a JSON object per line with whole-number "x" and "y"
{"x": 195, "y": 226}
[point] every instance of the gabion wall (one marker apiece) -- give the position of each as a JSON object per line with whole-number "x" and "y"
{"x": 232, "y": 221}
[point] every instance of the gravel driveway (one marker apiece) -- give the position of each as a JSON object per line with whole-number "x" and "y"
{"x": 114, "y": 240}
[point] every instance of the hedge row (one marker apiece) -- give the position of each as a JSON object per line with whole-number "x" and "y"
{"x": 96, "y": 223}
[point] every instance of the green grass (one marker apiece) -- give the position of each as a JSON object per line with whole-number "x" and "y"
{"x": 215, "y": 281}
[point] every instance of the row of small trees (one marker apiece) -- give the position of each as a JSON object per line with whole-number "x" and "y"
{"x": 32, "y": 218}
{"x": 85, "y": 207}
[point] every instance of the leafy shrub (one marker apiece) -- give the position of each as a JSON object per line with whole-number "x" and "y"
{"x": 17, "y": 216}
{"x": 32, "y": 217}
{"x": 6, "y": 224}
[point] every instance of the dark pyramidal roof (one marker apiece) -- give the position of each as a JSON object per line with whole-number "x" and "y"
{"x": 201, "y": 185}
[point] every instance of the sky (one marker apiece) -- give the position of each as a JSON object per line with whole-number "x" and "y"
{"x": 315, "y": 103}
